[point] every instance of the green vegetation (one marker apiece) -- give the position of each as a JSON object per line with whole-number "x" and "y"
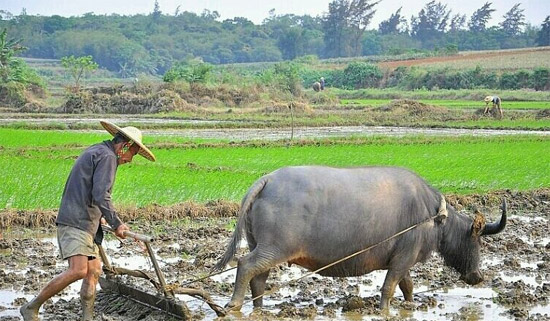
{"x": 453, "y": 103}
{"x": 192, "y": 71}
{"x": 152, "y": 43}
{"x": 33, "y": 177}
{"x": 443, "y": 94}
{"x": 78, "y": 66}
{"x": 18, "y": 82}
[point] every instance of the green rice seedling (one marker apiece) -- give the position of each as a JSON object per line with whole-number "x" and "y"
{"x": 34, "y": 178}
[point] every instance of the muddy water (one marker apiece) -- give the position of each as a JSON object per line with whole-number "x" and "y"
{"x": 516, "y": 264}
{"x": 95, "y": 120}
{"x": 240, "y": 134}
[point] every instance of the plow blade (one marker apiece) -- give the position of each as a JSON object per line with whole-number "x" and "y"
{"x": 167, "y": 305}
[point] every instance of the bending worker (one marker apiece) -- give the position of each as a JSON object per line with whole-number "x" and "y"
{"x": 86, "y": 199}
{"x": 496, "y": 103}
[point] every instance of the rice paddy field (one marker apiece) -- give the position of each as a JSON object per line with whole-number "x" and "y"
{"x": 204, "y": 167}
{"x": 35, "y": 164}
{"x": 453, "y": 103}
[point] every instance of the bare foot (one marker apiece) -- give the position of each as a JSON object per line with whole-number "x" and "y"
{"x": 28, "y": 313}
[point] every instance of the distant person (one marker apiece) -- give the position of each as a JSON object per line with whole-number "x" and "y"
{"x": 495, "y": 100}
{"x": 322, "y": 82}
{"x": 86, "y": 200}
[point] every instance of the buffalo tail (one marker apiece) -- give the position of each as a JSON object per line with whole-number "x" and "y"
{"x": 246, "y": 204}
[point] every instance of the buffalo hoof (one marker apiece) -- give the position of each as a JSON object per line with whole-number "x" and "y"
{"x": 472, "y": 278}
{"x": 233, "y": 306}
{"x": 28, "y": 313}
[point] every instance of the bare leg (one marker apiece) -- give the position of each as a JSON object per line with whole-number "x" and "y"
{"x": 406, "y": 286}
{"x": 88, "y": 289}
{"x": 78, "y": 268}
{"x": 257, "y": 286}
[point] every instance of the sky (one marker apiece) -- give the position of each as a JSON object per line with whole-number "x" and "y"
{"x": 257, "y": 10}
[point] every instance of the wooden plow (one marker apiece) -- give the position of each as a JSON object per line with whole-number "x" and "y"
{"x": 165, "y": 299}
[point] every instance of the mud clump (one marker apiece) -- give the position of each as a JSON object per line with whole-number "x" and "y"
{"x": 288, "y": 310}
{"x": 412, "y": 108}
{"x": 545, "y": 113}
{"x": 188, "y": 249}
{"x": 279, "y": 107}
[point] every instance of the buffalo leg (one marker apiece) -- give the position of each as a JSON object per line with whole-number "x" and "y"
{"x": 388, "y": 289}
{"x": 249, "y": 266}
{"x": 257, "y": 286}
{"x": 406, "y": 286}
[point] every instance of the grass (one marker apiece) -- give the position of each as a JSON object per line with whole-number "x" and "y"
{"x": 453, "y": 103}
{"x": 33, "y": 178}
{"x": 475, "y": 95}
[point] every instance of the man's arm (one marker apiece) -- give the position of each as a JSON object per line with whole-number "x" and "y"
{"x": 103, "y": 180}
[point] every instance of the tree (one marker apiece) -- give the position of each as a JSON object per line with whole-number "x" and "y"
{"x": 514, "y": 19}
{"x": 78, "y": 66}
{"x": 334, "y": 25}
{"x": 345, "y": 24}
{"x": 395, "y": 24}
{"x": 360, "y": 14}
{"x": 156, "y": 12}
{"x": 8, "y": 49}
{"x": 480, "y": 17}
{"x": 457, "y": 22}
{"x": 431, "y": 22}
{"x": 543, "y": 36}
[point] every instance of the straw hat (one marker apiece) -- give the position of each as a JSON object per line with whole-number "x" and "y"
{"x": 131, "y": 133}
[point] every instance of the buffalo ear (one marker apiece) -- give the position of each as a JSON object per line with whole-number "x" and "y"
{"x": 478, "y": 224}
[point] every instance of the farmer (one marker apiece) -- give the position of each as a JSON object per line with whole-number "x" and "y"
{"x": 85, "y": 201}
{"x": 496, "y": 103}
{"x": 322, "y": 82}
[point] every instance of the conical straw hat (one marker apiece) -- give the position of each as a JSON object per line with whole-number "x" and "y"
{"x": 131, "y": 133}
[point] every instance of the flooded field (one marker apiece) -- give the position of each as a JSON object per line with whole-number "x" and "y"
{"x": 245, "y": 134}
{"x": 515, "y": 263}
{"x": 241, "y": 134}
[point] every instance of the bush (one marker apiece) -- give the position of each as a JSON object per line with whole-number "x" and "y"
{"x": 541, "y": 79}
{"x": 416, "y": 78}
{"x": 12, "y": 94}
{"x": 361, "y": 75}
{"x": 192, "y": 72}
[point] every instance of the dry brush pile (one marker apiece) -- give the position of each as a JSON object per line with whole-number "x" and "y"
{"x": 536, "y": 200}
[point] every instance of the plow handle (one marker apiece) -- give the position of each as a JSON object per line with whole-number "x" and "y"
{"x": 140, "y": 237}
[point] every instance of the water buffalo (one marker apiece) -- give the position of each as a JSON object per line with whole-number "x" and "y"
{"x": 316, "y": 86}
{"x": 313, "y": 216}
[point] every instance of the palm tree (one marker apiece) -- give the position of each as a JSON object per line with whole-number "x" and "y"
{"x": 8, "y": 48}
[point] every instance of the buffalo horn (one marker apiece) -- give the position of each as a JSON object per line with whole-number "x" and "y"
{"x": 494, "y": 228}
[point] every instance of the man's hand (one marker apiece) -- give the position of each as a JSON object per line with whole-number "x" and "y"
{"x": 120, "y": 230}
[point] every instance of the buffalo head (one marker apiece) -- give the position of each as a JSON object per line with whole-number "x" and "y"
{"x": 461, "y": 244}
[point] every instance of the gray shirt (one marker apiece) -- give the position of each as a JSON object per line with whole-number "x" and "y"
{"x": 87, "y": 194}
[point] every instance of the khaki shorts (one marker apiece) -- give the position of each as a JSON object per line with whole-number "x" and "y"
{"x": 73, "y": 241}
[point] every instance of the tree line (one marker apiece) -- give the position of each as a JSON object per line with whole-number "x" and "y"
{"x": 153, "y": 43}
